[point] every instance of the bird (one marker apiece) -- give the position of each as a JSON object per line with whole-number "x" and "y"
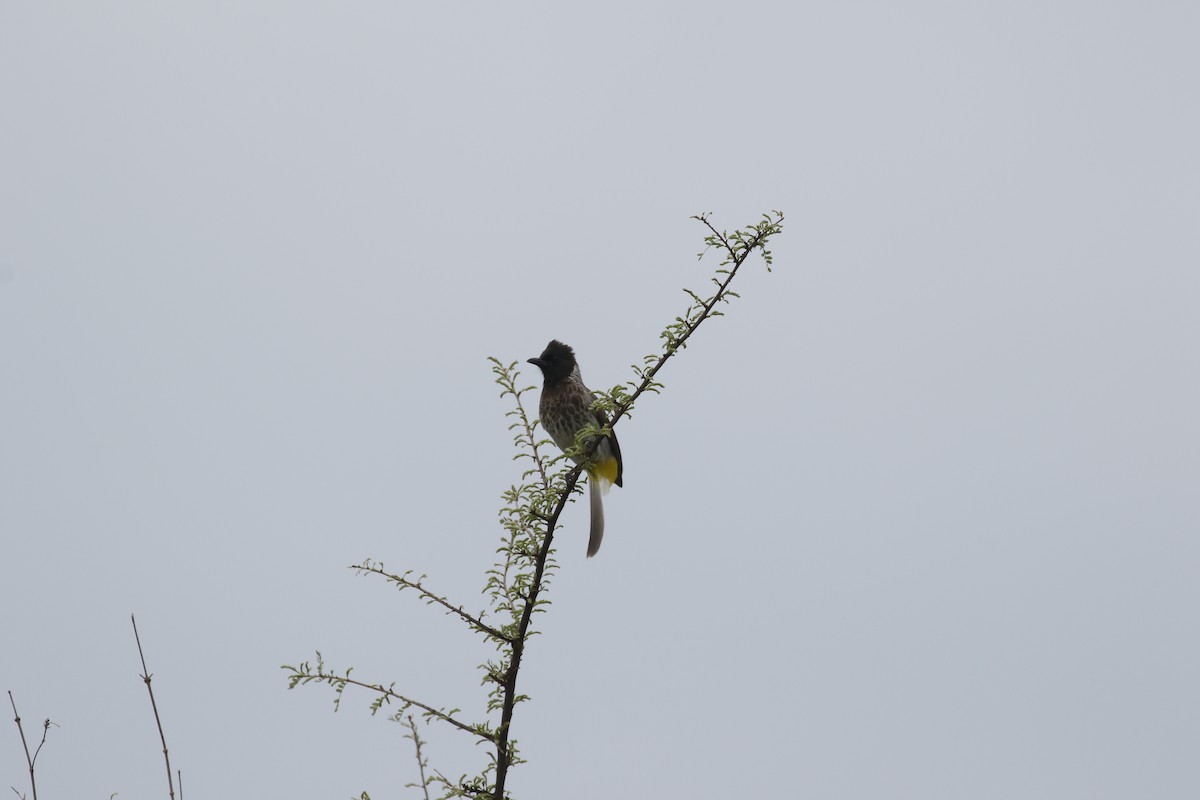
{"x": 565, "y": 408}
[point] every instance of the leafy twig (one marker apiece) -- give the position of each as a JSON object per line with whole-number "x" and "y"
{"x": 304, "y": 673}
{"x": 370, "y": 567}
{"x": 421, "y": 762}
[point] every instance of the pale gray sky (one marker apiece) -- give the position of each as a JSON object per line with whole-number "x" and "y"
{"x": 917, "y": 519}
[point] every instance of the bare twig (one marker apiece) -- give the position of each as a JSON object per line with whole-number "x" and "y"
{"x": 146, "y": 676}
{"x": 30, "y": 760}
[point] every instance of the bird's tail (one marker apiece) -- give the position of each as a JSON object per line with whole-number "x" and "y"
{"x": 595, "y": 495}
{"x": 601, "y": 476}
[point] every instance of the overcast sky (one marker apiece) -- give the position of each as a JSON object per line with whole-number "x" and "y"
{"x": 917, "y": 519}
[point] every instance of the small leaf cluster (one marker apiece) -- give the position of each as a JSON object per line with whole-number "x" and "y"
{"x": 735, "y": 247}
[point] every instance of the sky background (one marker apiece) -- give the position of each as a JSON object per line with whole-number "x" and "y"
{"x": 917, "y": 519}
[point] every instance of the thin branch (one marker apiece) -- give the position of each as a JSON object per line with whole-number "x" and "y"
{"x": 28, "y": 760}
{"x": 45, "y": 732}
{"x": 525, "y": 438}
{"x": 737, "y": 256}
{"x": 405, "y": 582}
{"x": 530, "y": 432}
{"x": 157, "y": 720}
{"x": 416, "y": 737}
{"x": 301, "y": 675}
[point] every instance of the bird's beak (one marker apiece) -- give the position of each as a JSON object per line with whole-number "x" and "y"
{"x": 537, "y": 362}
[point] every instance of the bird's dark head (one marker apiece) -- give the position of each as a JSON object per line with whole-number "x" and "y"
{"x": 556, "y": 362}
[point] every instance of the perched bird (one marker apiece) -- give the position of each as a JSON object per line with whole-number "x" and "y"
{"x": 565, "y": 409}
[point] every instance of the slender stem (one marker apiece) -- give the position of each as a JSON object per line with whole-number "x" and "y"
{"x": 154, "y": 705}
{"x": 533, "y": 442}
{"x": 404, "y": 582}
{"x": 416, "y": 737}
{"x": 746, "y": 249}
{"x": 321, "y": 675}
{"x": 507, "y": 379}
{"x": 28, "y": 760}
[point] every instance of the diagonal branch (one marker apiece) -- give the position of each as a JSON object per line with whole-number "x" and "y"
{"x": 304, "y": 674}
{"x": 146, "y": 676}
{"x": 737, "y": 257}
{"x": 404, "y": 582}
{"x": 738, "y": 252}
